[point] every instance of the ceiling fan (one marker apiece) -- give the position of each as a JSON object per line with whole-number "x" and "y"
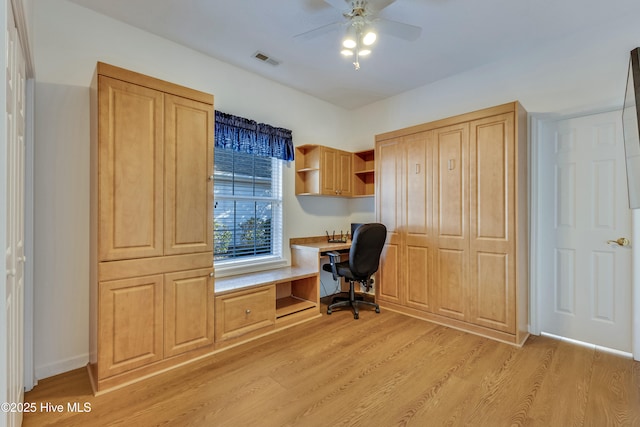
{"x": 362, "y": 24}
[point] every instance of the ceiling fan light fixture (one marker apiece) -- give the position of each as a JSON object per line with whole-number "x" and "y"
{"x": 346, "y": 52}
{"x": 369, "y": 38}
{"x": 364, "y": 52}
{"x": 349, "y": 43}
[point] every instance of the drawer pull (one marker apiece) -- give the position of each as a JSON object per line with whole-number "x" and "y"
{"x": 247, "y": 311}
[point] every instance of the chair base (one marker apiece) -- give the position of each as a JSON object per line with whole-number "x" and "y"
{"x": 354, "y": 302}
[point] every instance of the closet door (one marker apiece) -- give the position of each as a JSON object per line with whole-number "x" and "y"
{"x": 492, "y": 212}
{"x": 130, "y": 171}
{"x": 188, "y": 168}
{"x": 451, "y": 220}
{"x": 389, "y": 212}
{"x": 418, "y": 217}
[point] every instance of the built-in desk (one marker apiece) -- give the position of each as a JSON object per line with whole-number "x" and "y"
{"x": 311, "y": 251}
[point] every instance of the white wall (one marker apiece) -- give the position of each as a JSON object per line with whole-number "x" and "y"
{"x": 583, "y": 72}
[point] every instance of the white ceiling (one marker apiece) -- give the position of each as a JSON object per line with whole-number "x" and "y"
{"x": 457, "y": 35}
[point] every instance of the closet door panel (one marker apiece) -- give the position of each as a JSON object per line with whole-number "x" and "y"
{"x": 451, "y": 178}
{"x": 188, "y": 165}
{"x": 130, "y": 171}
{"x": 492, "y": 292}
{"x": 452, "y": 186}
{"x": 451, "y": 277}
{"x": 418, "y": 194}
{"x": 492, "y": 223}
{"x": 388, "y": 212}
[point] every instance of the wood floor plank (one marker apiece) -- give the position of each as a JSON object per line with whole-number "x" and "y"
{"x": 381, "y": 370}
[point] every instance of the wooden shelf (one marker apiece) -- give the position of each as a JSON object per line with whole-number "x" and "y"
{"x": 364, "y": 173}
{"x": 291, "y": 304}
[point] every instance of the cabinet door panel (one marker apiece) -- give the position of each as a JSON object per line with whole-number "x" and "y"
{"x": 328, "y": 164}
{"x": 451, "y": 146}
{"x": 492, "y": 169}
{"x": 451, "y": 270}
{"x": 419, "y": 277}
{"x": 417, "y": 216}
{"x": 130, "y": 171}
{"x": 389, "y": 212}
{"x": 188, "y": 311}
{"x": 188, "y": 165}
{"x": 345, "y": 177}
{"x": 129, "y": 324}
{"x": 493, "y": 290}
{"x": 492, "y": 223}
{"x": 389, "y": 273}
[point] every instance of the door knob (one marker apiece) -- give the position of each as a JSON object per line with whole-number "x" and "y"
{"x": 622, "y": 241}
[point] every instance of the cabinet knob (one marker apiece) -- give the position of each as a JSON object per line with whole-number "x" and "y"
{"x": 212, "y": 274}
{"x": 247, "y": 311}
{"x": 210, "y": 177}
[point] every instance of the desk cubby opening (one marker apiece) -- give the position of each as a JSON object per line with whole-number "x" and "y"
{"x": 296, "y": 296}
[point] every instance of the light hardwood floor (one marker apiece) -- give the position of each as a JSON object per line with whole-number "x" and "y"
{"x": 381, "y": 370}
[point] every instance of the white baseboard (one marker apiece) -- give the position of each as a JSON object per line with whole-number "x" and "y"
{"x": 61, "y": 366}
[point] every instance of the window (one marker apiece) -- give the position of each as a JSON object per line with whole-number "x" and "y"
{"x": 248, "y": 206}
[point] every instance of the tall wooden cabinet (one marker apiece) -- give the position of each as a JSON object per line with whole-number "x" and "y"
{"x": 453, "y": 195}
{"x": 151, "y": 225}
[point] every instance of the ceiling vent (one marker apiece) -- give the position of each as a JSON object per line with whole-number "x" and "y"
{"x": 265, "y": 58}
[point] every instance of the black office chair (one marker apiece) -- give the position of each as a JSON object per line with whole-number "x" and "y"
{"x": 364, "y": 258}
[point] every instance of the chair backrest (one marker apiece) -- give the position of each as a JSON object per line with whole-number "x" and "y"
{"x": 366, "y": 247}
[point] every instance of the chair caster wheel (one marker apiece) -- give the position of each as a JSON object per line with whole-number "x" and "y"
{"x": 377, "y": 310}
{"x": 328, "y": 311}
{"x": 356, "y": 316}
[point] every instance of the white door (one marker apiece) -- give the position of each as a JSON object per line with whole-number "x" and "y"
{"x": 14, "y": 254}
{"x": 585, "y": 280}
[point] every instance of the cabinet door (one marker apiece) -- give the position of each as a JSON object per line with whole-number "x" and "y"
{"x": 451, "y": 193}
{"x": 188, "y": 166}
{"x": 129, "y": 324}
{"x": 188, "y": 311}
{"x": 492, "y": 214}
{"x": 344, "y": 172}
{"x": 418, "y": 216}
{"x": 328, "y": 164}
{"x": 130, "y": 171}
{"x": 389, "y": 212}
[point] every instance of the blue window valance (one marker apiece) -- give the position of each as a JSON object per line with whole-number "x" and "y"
{"x": 248, "y": 136}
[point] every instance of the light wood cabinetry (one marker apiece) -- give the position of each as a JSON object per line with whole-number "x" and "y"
{"x": 245, "y": 311}
{"x": 364, "y": 173}
{"x": 325, "y": 171}
{"x": 452, "y": 194}
{"x": 151, "y": 225}
{"x": 253, "y": 304}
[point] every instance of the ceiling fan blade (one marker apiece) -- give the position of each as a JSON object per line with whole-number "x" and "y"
{"x": 398, "y": 29}
{"x": 378, "y": 5}
{"x": 316, "y": 32}
{"x": 341, "y": 5}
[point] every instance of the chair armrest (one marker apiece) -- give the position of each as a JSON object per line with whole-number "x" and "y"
{"x": 334, "y": 257}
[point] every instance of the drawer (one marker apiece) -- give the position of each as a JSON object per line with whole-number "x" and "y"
{"x": 241, "y": 312}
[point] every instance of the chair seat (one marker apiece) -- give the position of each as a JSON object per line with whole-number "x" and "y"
{"x": 343, "y": 270}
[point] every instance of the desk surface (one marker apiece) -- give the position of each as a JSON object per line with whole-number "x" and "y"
{"x": 322, "y": 246}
